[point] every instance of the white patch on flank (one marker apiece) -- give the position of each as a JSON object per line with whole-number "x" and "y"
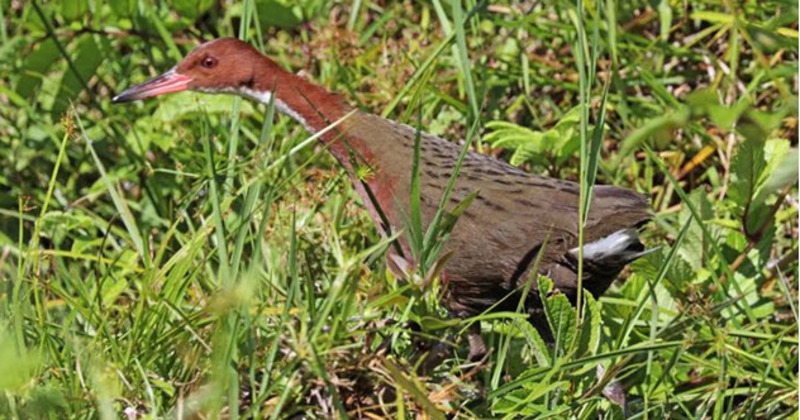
{"x": 266, "y": 97}
{"x": 615, "y": 244}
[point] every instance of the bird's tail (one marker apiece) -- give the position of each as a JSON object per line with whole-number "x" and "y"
{"x": 612, "y": 252}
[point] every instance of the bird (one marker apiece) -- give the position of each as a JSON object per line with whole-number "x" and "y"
{"x": 514, "y": 221}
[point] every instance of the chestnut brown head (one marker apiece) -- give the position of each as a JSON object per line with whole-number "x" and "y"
{"x": 224, "y": 65}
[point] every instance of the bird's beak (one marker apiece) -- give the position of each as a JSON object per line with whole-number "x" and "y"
{"x": 168, "y": 82}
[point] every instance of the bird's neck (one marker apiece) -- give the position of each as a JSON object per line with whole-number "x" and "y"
{"x": 357, "y": 140}
{"x": 312, "y": 106}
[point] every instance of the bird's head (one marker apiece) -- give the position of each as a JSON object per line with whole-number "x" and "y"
{"x": 225, "y": 65}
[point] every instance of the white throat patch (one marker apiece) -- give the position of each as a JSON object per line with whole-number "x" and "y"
{"x": 266, "y": 97}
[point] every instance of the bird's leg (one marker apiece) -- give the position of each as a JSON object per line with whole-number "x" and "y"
{"x": 477, "y": 348}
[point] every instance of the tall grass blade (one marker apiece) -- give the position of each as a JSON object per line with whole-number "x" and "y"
{"x": 120, "y": 204}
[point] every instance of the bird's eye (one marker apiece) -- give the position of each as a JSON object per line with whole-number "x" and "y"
{"x": 209, "y": 62}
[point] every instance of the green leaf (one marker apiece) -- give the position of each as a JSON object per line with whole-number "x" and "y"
{"x": 186, "y": 105}
{"x": 527, "y": 153}
{"x": 656, "y": 127}
{"x": 36, "y": 65}
{"x": 74, "y": 9}
{"x": 699, "y": 101}
{"x": 781, "y": 168}
{"x": 86, "y": 61}
{"x": 451, "y": 217}
{"x": 279, "y": 13}
{"x": 695, "y": 246}
{"x": 560, "y": 142}
{"x": 725, "y": 117}
{"x": 747, "y": 168}
{"x": 191, "y": 9}
{"x": 539, "y": 348}
{"x": 679, "y": 274}
{"x": 756, "y": 125}
{"x": 56, "y": 223}
{"x": 509, "y": 135}
{"x": 570, "y": 119}
{"x": 123, "y": 8}
{"x": 589, "y": 339}
{"x": 561, "y": 316}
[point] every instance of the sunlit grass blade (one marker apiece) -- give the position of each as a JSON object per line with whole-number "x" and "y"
{"x": 121, "y": 205}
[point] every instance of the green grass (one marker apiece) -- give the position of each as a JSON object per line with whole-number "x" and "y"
{"x": 193, "y": 254}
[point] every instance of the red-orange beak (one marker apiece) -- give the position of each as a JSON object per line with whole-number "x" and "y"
{"x": 168, "y": 82}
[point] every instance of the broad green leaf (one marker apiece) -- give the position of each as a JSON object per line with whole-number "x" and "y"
{"x": 123, "y": 8}
{"x": 694, "y": 248}
{"x": 662, "y": 126}
{"x": 678, "y": 275}
{"x": 757, "y": 125}
{"x": 283, "y": 14}
{"x": 509, "y": 135}
{"x": 191, "y": 9}
{"x": 35, "y": 66}
{"x": 781, "y": 168}
{"x": 560, "y": 142}
{"x": 569, "y": 146}
{"x": 570, "y": 119}
{"x": 747, "y": 168}
{"x": 540, "y": 349}
{"x": 87, "y": 59}
{"x": 526, "y": 154}
{"x": 74, "y": 9}
{"x": 112, "y": 290}
{"x": 589, "y": 339}
{"x": 175, "y": 107}
{"x": 725, "y": 117}
{"x": 561, "y": 316}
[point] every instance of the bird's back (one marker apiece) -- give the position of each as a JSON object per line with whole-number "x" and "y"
{"x": 513, "y": 217}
